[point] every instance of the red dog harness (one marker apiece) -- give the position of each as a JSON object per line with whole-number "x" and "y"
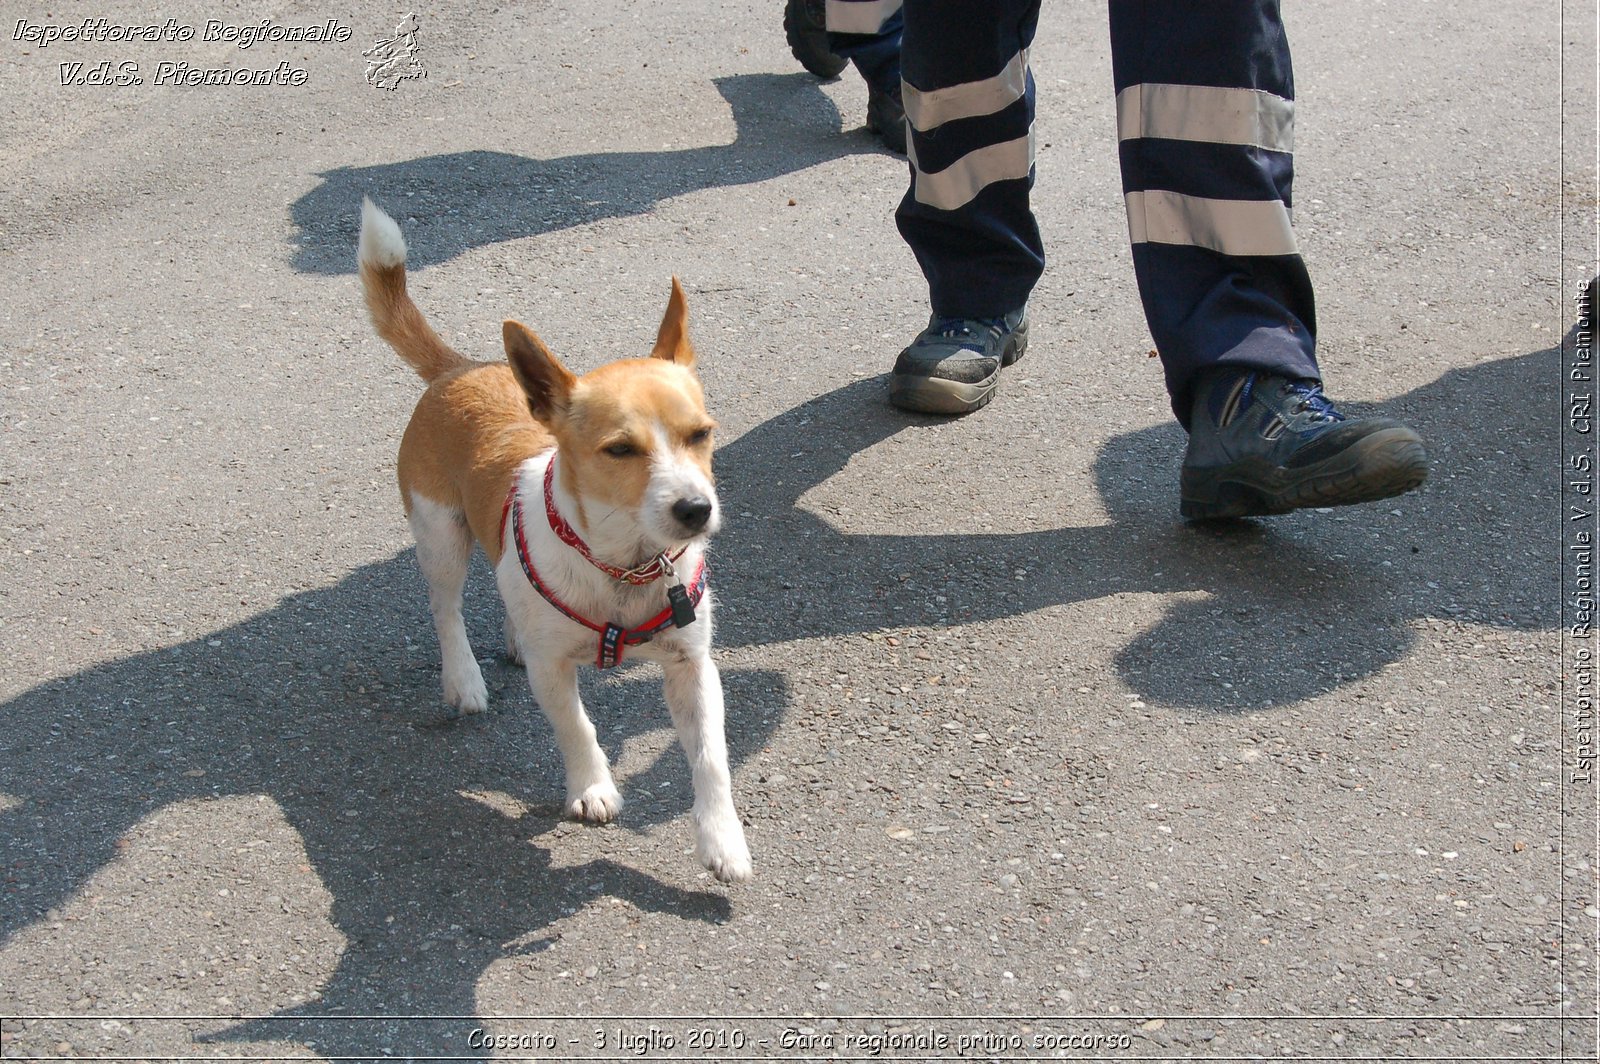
{"x": 613, "y": 637}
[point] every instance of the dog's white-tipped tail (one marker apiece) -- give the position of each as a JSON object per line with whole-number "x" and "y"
{"x": 381, "y": 242}
{"x": 381, "y": 252}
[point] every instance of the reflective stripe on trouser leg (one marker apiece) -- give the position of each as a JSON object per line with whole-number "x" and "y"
{"x": 969, "y": 99}
{"x": 866, "y": 32}
{"x": 1205, "y": 124}
{"x": 859, "y": 16}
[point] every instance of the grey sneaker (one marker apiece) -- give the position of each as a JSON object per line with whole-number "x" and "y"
{"x": 953, "y": 365}
{"x": 1261, "y": 444}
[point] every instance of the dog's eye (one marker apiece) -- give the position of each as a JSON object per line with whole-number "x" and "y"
{"x": 620, "y": 450}
{"x": 699, "y": 436}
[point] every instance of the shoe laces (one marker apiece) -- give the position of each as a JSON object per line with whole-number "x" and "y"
{"x": 953, "y": 327}
{"x": 1312, "y": 401}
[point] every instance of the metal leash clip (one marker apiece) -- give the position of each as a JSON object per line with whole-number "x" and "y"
{"x": 678, "y": 597}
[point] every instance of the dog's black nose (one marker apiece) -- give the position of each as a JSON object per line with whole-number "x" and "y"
{"x": 692, "y": 513}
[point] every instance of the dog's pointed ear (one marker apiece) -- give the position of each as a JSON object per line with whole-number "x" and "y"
{"x": 546, "y": 381}
{"x": 672, "y": 342}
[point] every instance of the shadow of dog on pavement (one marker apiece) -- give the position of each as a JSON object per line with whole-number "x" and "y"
{"x": 325, "y": 705}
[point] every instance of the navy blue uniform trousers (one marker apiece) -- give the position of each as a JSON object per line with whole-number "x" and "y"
{"x": 1205, "y": 120}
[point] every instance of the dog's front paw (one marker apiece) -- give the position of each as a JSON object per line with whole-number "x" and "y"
{"x": 722, "y": 849}
{"x": 598, "y": 804}
{"x": 468, "y": 695}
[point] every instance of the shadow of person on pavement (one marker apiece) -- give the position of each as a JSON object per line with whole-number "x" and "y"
{"x": 450, "y": 204}
{"x": 1288, "y": 608}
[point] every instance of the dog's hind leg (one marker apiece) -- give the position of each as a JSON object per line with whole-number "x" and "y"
{"x": 513, "y": 648}
{"x": 444, "y": 547}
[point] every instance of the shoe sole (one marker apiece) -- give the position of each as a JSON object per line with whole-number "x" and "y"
{"x": 934, "y": 395}
{"x": 809, "y": 44}
{"x": 1384, "y": 464}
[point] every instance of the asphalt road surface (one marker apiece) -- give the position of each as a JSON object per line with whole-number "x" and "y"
{"x": 1029, "y": 766}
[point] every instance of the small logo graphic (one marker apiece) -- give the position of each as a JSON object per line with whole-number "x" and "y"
{"x": 394, "y": 59}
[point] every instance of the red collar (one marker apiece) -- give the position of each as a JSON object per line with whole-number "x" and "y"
{"x": 614, "y": 638}
{"x": 652, "y": 570}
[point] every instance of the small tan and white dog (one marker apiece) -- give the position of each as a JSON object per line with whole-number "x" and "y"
{"x": 593, "y": 498}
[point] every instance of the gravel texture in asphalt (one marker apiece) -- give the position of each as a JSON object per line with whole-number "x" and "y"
{"x": 1029, "y": 767}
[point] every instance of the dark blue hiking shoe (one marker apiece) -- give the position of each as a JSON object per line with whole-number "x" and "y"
{"x": 886, "y": 114}
{"x": 1260, "y": 444}
{"x": 953, "y": 365}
